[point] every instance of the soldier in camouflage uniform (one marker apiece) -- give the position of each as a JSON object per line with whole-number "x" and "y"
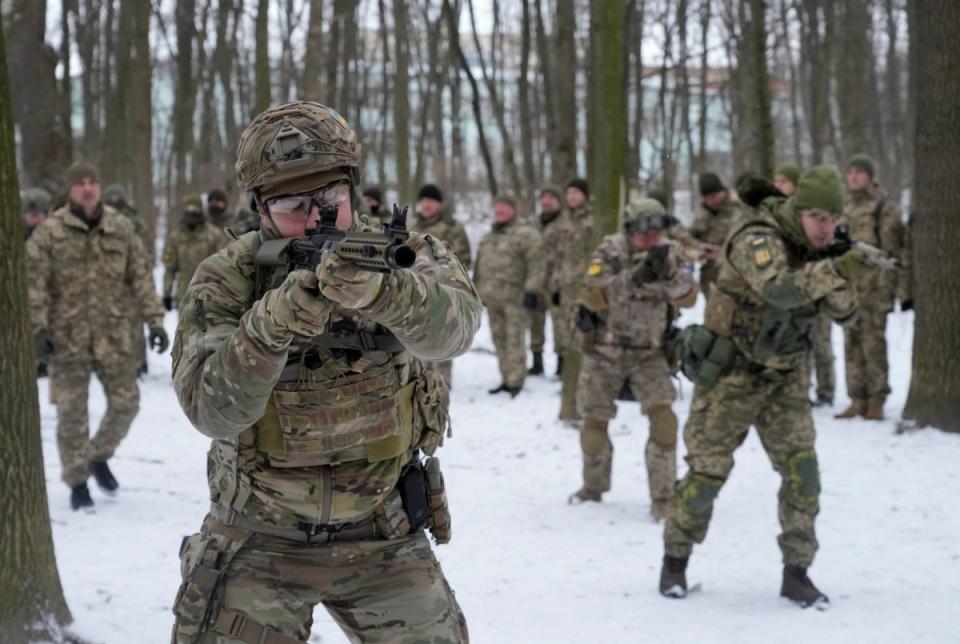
{"x": 244, "y": 221}
{"x": 872, "y": 218}
{"x": 749, "y": 365}
{"x": 552, "y": 223}
{"x": 193, "y": 241}
{"x": 311, "y": 387}
{"x": 34, "y": 208}
{"x": 83, "y": 261}
{"x": 509, "y": 277}
{"x": 711, "y": 226}
{"x": 436, "y": 220}
{"x": 217, "y": 212}
{"x": 631, "y": 287}
{"x": 374, "y": 206}
{"x": 576, "y": 250}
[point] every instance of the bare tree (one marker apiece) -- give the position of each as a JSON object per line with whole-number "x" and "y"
{"x": 184, "y": 98}
{"x": 565, "y": 85}
{"x": 401, "y": 99}
{"x": 140, "y": 106}
{"x": 314, "y": 50}
{"x": 262, "y": 58}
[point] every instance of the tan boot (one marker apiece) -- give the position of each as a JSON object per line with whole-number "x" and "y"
{"x": 874, "y": 409}
{"x": 856, "y": 408}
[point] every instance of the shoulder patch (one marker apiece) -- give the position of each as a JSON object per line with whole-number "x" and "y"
{"x": 595, "y": 268}
{"x": 761, "y": 251}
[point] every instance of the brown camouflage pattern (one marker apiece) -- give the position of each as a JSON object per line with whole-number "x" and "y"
{"x": 713, "y": 227}
{"x": 184, "y": 251}
{"x": 553, "y": 233}
{"x": 574, "y": 254}
{"x": 823, "y": 357}
{"x": 865, "y": 352}
{"x": 447, "y": 229}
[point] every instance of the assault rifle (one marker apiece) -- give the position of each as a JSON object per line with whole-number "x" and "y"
{"x": 873, "y": 256}
{"x": 381, "y": 252}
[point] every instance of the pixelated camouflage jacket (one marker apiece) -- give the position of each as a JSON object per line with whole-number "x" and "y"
{"x": 305, "y": 432}
{"x": 713, "y": 227}
{"x": 448, "y": 230}
{"x": 877, "y": 289}
{"x": 81, "y": 281}
{"x": 632, "y": 316}
{"x": 770, "y": 289}
{"x": 183, "y": 252}
{"x": 509, "y": 264}
{"x": 575, "y": 251}
{"x": 552, "y": 229}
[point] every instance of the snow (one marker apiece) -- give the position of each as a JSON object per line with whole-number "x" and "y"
{"x": 528, "y": 567}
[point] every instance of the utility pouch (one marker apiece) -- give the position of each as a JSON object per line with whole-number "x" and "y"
{"x": 431, "y": 416}
{"x": 413, "y": 494}
{"x": 440, "y": 526}
{"x": 704, "y": 356}
{"x": 391, "y": 518}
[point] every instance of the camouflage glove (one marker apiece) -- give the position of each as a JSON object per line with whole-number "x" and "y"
{"x": 293, "y": 308}
{"x": 654, "y": 268}
{"x": 346, "y": 283}
{"x": 852, "y": 265}
{"x": 159, "y": 339}
{"x": 43, "y": 344}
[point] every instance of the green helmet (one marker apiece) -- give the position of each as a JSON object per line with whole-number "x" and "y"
{"x": 114, "y": 195}
{"x": 645, "y": 213}
{"x": 34, "y": 199}
{"x": 296, "y": 140}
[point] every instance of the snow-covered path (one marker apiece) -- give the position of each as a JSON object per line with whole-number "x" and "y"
{"x": 527, "y": 567}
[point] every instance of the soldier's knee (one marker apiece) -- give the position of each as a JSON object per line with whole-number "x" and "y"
{"x": 697, "y": 493}
{"x": 803, "y": 472}
{"x": 593, "y": 437}
{"x": 663, "y": 426}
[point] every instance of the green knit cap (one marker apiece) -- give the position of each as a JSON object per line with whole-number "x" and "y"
{"x": 193, "y": 200}
{"x": 789, "y": 171}
{"x": 552, "y": 190}
{"x": 863, "y": 162}
{"x": 820, "y": 189}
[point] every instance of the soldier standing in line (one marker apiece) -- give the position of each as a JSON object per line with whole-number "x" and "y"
{"x": 193, "y": 241}
{"x": 82, "y": 262}
{"x": 711, "y": 226}
{"x": 632, "y": 286}
{"x": 34, "y": 207}
{"x": 552, "y": 222}
{"x": 217, "y": 212}
{"x": 435, "y": 219}
{"x": 872, "y": 218}
{"x": 310, "y": 384}
{"x": 749, "y": 363}
{"x": 373, "y": 201}
{"x": 509, "y": 277}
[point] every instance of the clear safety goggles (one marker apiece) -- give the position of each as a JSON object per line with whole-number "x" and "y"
{"x": 645, "y": 224}
{"x": 334, "y": 194}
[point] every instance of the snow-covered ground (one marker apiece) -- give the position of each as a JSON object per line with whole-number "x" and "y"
{"x": 527, "y": 567}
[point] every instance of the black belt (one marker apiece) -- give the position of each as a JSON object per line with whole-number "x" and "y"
{"x": 308, "y": 533}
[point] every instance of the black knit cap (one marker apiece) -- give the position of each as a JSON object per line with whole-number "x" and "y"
{"x": 710, "y": 183}
{"x": 374, "y": 193}
{"x": 430, "y": 191}
{"x": 580, "y": 184}
{"x": 217, "y": 195}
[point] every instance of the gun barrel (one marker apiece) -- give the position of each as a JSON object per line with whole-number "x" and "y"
{"x": 877, "y": 257}
{"x": 375, "y": 252}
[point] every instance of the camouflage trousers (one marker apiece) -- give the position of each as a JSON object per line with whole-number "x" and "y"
{"x": 776, "y": 404}
{"x": 444, "y": 368}
{"x": 823, "y": 357}
{"x": 377, "y": 591}
{"x": 604, "y": 372}
{"x": 70, "y": 385}
{"x": 508, "y": 325}
{"x": 561, "y": 331}
{"x": 865, "y": 353}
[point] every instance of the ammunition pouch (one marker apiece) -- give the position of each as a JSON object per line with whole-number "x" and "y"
{"x": 419, "y": 501}
{"x": 431, "y": 414}
{"x": 440, "y": 526}
{"x": 705, "y": 356}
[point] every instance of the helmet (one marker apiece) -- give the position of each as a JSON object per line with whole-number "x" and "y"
{"x": 33, "y": 199}
{"x": 643, "y": 214}
{"x": 295, "y": 140}
{"x": 114, "y": 195}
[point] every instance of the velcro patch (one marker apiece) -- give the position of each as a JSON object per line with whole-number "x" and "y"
{"x": 595, "y": 268}
{"x": 761, "y": 251}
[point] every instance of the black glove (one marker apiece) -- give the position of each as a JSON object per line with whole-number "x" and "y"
{"x": 906, "y": 305}
{"x": 159, "y": 339}
{"x": 531, "y": 301}
{"x": 654, "y": 268}
{"x": 555, "y": 298}
{"x": 168, "y": 302}
{"x": 587, "y": 320}
{"x": 43, "y": 345}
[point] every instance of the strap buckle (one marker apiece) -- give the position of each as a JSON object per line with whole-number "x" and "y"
{"x": 314, "y": 530}
{"x": 367, "y": 340}
{"x": 237, "y": 623}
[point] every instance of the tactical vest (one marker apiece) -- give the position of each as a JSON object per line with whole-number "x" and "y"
{"x": 764, "y": 335}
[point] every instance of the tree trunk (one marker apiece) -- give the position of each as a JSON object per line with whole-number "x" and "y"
{"x": 565, "y": 159}
{"x": 401, "y": 99}
{"x": 184, "y": 101}
{"x": 549, "y": 97}
{"x": 934, "y": 397}
{"x": 140, "y": 106}
{"x": 262, "y": 58}
{"x": 852, "y": 77}
{"x": 32, "y": 607}
{"x": 761, "y": 84}
{"x": 314, "y": 51}
{"x": 526, "y": 116}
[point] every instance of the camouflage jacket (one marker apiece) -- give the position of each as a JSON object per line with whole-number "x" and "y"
{"x": 771, "y": 288}
{"x": 713, "y": 227}
{"x": 885, "y": 230}
{"x": 509, "y": 264}
{"x": 632, "y": 316}
{"x": 305, "y": 431}
{"x": 552, "y": 229}
{"x": 141, "y": 229}
{"x": 184, "y": 251}
{"x": 81, "y": 281}
{"x": 575, "y": 252}
{"x": 448, "y": 230}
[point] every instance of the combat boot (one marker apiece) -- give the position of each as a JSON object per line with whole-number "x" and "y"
{"x": 101, "y": 472}
{"x": 537, "y": 368}
{"x": 673, "y": 577}
{"x": 80, "y": 497}
{"x": 874, "y": 409}
{"x": 857, "y": 407}
{"x": 596, "y": 476}
{"x": 823, "y": 401}
{"x": 798, "y": 588}
{"x": 497, "y": 390}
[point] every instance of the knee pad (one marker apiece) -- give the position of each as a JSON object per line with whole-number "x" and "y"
{"x": 804, "y": 477}
{"x": 697, "y": 493}
{"x": 593, "y": 437}
{"x": 663, "y": 427}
